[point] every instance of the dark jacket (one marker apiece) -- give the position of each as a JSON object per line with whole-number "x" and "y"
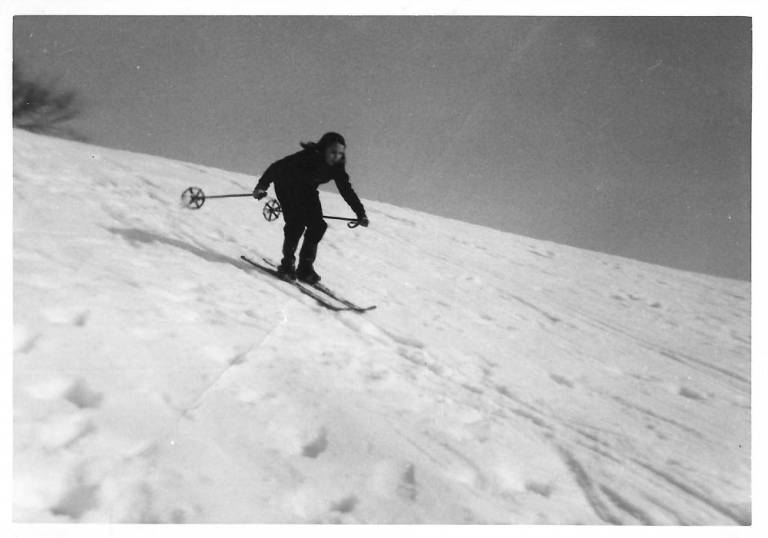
{"x": 304, "y": 171}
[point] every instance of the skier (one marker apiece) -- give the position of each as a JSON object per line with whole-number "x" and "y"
{"x": 296, "y": 178}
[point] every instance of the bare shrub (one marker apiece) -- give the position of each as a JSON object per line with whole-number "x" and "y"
{"x": 43, "y": 108}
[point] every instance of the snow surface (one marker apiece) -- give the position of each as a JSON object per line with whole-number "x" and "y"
{"x": 500, "y": 380}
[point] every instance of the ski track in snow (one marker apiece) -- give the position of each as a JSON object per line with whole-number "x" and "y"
{"x": 159, "y": 378}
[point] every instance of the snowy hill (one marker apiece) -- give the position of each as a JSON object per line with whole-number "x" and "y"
{"x": 501, "y": 379}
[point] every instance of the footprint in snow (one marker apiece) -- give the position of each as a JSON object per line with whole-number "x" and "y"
{"x": 377, "y": 375}
{"x": 64, "y": 431}
{"x": 560, "y": 380}
{"x": 23, "y": 340}
{"x": 390, "y": 478}
{"x": 80, "y": 394}
{"x": 76, "y": 391}
{"x": 66, "y": 316}
{"x": 407, "y": 486}
{"x": 690, "y": 393}
{"x": 316, "y": 447}
{"x": 228, "y": 355}
{"x": 77, "y": 501}
{"x": 539, "y": 488}
{"x": 345, "y": 505}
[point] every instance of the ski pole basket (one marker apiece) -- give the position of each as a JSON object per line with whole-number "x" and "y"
{"x": 272, "y": 210}
{"x": 193, "y": 198}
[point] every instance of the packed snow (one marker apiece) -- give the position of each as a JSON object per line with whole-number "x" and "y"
{"x": 501, "y": 379}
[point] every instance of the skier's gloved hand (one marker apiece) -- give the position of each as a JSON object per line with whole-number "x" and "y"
{"x": 259, "y": 193}
{"x": 362, "y": 220}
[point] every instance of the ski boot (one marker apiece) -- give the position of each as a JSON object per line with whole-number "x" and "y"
{"x": 306, "y": 273}
{"x": 286, "y": 269}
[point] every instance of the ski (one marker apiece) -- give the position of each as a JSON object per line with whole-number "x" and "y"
{"x": 303, "y": 288}
{"x": 330, "y": 293}
{"x": 349, "y": 304}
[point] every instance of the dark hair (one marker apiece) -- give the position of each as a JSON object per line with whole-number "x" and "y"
{"x": 326, "y": 140}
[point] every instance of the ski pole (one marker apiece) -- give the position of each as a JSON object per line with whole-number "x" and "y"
{"x": 351, "y": 223}
{"x": 228, "y": 195}
{"x": 194, "y": 197}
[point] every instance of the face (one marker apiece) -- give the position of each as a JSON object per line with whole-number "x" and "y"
{"x": 334, "y": 154}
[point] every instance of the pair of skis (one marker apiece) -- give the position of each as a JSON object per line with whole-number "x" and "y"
{"x": 321, "y": 294}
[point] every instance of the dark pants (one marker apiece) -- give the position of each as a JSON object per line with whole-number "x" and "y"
{"x": 302, "y": 213}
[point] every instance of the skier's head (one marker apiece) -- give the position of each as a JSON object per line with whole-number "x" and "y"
{"x": 331, "y": 147}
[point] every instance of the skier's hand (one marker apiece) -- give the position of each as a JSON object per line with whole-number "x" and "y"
{"x": 362, "y": 221}
{"x": 259, "y": 193}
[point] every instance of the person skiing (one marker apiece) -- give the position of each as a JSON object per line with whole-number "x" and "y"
{"x": 296, "y": 179}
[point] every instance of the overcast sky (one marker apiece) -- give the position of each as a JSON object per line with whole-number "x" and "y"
{"x": 625, "y": 135}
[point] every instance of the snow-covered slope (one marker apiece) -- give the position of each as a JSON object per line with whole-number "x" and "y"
{"x": 501, "y": 379}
